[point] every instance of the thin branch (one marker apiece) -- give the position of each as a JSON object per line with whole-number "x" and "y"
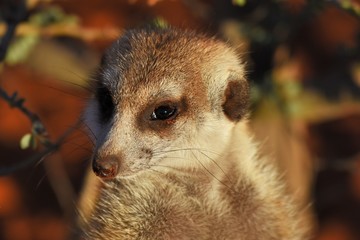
{"x": 50, "y": 148}
{"x": 87, "y": 34}
{"x": 13, "y": 12}
{"x": 17, "y": 102}
{"x": 13, "y": 18}
{"x": 6, "y": 39}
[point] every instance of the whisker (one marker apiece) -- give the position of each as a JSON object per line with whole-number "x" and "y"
{"x": 79, "y": 146}
{"x": 213, "y": 160}
{"x": 68, "y": 93}
{"x": 173, "y": 157}
{"x": 184, "y": 149}
{"x": 208, "y": 171}
{"x": 83, "y": 87}
{"x": 81, "y": 132}
{"x": 154, "y": 170}
{"x": 164, "y": 166}
{"x": 40, "y": 181}
{"x": 89, "y": 129}
{"x": 83, "y": 137}
{"x": 202, "y": 151}
{"x": 85, "y": 162}
{"x": 84, "y": 78}
{"x": 78, "y": 137}
{"x": 41, "y": 160}
{"x": 59, "y": 89}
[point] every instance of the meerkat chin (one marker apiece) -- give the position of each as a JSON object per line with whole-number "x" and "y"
{"x": 173, "y": 148}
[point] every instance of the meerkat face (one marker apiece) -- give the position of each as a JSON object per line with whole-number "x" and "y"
{"x": 164, "y": 99}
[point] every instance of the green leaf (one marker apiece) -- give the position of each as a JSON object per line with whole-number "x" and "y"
{"x": 28, "y": 140}
{"x": 25, "y": 141}
{"x": 160, "y": 22}
{"x": 240, "y": 3}
{"x": 52, "y": 15}
{"x": 20, "y": 49}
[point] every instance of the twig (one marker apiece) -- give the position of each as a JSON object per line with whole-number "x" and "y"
{"x": 51, "y": 147}
{"x": 87, "y": 34}
{"x": 13, "y": 13}
{"x": 6, "y": 39}
{"x": 17, "y": 102}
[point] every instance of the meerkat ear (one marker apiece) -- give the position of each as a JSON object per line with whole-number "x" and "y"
{"x": 236, "y": 101}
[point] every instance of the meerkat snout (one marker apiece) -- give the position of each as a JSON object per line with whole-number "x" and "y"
{"x": 106, "y": 167}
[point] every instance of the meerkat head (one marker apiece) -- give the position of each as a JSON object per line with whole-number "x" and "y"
{"x": 164, "y": 99}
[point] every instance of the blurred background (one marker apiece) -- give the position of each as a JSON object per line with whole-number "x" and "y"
{"x": 303, "y": 62}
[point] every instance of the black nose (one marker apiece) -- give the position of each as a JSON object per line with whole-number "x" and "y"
{"x": 106, "y": 167}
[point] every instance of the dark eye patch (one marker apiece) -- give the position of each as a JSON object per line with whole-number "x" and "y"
{"x": 106, "y": 103}
{"x": 162, "y": 115}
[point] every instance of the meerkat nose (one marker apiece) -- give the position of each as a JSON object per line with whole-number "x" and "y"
{"x": 106, "y": 167}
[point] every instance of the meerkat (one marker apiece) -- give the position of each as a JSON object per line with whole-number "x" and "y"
{"x": 173, "y": 150}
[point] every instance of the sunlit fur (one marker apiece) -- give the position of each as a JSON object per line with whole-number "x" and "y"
{"x": 200, "y": 176}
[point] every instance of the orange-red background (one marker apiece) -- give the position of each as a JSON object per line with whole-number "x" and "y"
{"x": 29, "y": 208}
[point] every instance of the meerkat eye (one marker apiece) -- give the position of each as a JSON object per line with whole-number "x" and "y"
{"x": 106, "y": 104}
{"x": 164, "y": 112}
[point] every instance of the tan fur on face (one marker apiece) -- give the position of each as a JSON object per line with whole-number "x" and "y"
{"x": 195, "y": 175}
{"x": 187, "y": 69}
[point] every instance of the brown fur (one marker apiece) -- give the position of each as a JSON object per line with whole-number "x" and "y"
{"x": 236, "y": 100}
{"x": 195, "y": 175}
